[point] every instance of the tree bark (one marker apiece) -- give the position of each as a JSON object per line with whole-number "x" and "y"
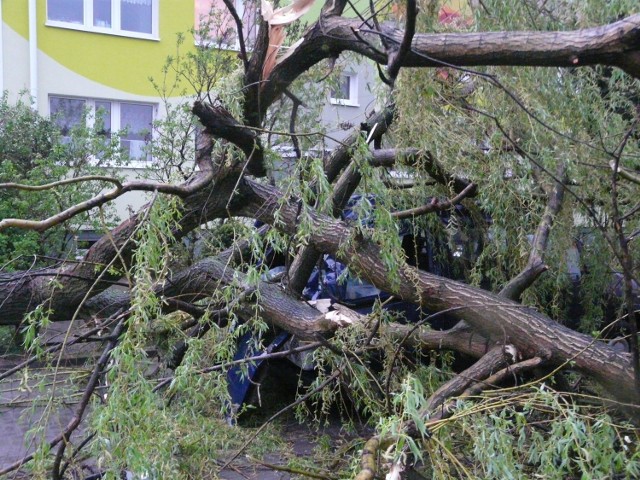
{"x": 616, "y": 44}
{"x": 533, "y": 334}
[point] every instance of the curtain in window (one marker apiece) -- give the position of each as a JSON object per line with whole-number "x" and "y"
{"x": 137, "y": 120}
{"x": 136, "y": 15}
{"x": 102, "y": 13}
{"x": 66, "y": 112}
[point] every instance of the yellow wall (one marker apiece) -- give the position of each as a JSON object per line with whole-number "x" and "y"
{"x": 118, "y": 62}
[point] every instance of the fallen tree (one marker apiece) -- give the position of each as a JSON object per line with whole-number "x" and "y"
{"x": 502, "y": 333}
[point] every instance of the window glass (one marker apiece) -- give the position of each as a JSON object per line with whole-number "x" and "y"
{"x": 103, "y": 117}
{"x": 136, "y": 15}
{"x": 66, "y": 112}
{"x": 247, "y": 10}
{"x": 102, "y": 13}
{"x": 71, "y": 11}
{"x": 136, "y": 119}
{"x": 343, "y": 91}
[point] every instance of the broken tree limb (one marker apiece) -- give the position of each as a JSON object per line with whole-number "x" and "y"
{"x": 435, "y": 205}
{"x": 345, "y": 185}
{"x": 422, "y": 160}
{"x": 494, "y": 360}
{"x": 220, "y": 123}
{"x": 447, "y": 409}
{"x": 397, "y": 55}
{"x": 460, "y": 338}
{"x": 369, "y": 460}
{"x": 616, "y": 44}
{"x": 501, "y": 375}
{"x": 532, "y": 333}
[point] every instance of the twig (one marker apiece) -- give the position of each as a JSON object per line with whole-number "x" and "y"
{"x": 256, "y": 358}
{"x": 183, "y": 190}
{"x": 75, "y": 452}
{"x": 435, "y": 205}
{"x": 243, "y": 49}
{"x": 66, "y": 181}
{"x": 396, "y": 58}
{"x": 58, "y": 346}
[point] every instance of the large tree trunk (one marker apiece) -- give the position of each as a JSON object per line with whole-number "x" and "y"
{"x": 533, "y": 334}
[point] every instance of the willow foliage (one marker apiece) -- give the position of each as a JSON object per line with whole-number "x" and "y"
{"x": 511, "y": 130}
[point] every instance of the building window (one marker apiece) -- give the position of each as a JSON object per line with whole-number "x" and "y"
{"x": 215, "y": 27}
{"x": 67, "y": 113}
{"x": 133, "y": 121}
{"x": 131, "y": 18}
{"x": 346, "y": 92}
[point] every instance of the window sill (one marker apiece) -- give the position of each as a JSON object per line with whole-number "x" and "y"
{"x": 137, "y": 165}
{"x": 226, "y": 47}
{"x": 104, "y": 31}
{"x": 343, "y": 102}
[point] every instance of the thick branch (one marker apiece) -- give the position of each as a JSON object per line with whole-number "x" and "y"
{"x": 220, "y": 123}
{"x": 617, "y": 44}
{"x": 308, "y": 256}
{"x": 536, "y": 266}
{"x": 397, "y": 56}
{"x": 530, "y": 332}
{"x": 422, "y": 160}
{"x": 495, "y": 359}
{"x": 491, "y": 381}
{"x": 64, "y": 288}
{"x": 459, "y": 338}
{"x": 435, "y": 204}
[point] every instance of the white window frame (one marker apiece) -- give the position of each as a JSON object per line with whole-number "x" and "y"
{"x": 116, "y": 17}
{"x": 352, "y": 101}
{"x": 90, "y": 103}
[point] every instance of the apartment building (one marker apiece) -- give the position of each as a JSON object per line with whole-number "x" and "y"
{"x": 76, "y": 55}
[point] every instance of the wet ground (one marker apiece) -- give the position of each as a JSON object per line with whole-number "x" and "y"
{"x": 25, "y": 406}
{"x": 17, "y": 417}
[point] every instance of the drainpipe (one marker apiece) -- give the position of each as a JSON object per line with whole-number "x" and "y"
{"x": 1, "y": 52}
{"x": 33, "y": 54}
